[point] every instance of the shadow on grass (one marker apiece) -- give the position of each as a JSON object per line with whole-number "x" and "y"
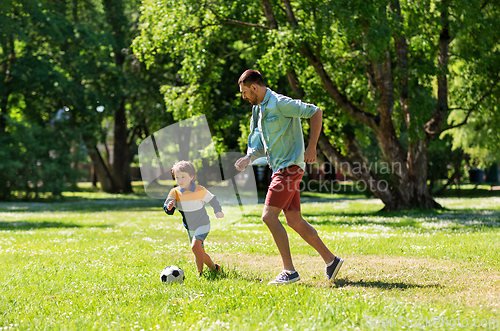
{"x": 84, "y": 205}
{"x": 435, "y": 220}
{"x": 445, "y": 219}
{"x": 343, "y": 282}
{"x": 24, "y": 226}
{"x": 231, "y": 273}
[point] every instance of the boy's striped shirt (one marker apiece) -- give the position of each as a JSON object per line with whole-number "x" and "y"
{"x": 191, "y": 205}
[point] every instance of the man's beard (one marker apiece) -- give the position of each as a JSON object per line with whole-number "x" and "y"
{"x": 253, "y": 98}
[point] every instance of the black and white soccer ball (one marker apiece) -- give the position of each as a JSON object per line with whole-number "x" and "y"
{"x": 172, "y": 274}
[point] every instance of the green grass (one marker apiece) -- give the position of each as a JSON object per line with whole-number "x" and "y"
{"x": 93, "y": 261}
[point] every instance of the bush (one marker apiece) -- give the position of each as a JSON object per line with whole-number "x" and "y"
{"x": 36, "y": 159}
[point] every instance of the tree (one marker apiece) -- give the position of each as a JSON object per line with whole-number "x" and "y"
{"x": 381, "y": 66}
{"x": 475, "y": 119}
{"x": 74, "y": 56}
{"x": 125, "y": 90}
{"x": 34, "y": 134}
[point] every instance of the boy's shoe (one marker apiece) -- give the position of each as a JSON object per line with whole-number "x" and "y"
{"x": 217, "y": 268}
{"x": 285, "y": 278}
{"x": 333, "y": 270}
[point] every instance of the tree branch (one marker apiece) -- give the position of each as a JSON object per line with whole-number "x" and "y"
{"x": 401, "y": 47}
{"x": 313, "y": 58}
{"x": 341, "y": 99}
{"x": 236, "y": 22}
{"x": 298, "y": 91}
{"x": 432, "y": 127}
{"x": 240, "y": 23}
{"x": 476, "y": 107}
{"x": 240, "y": 51}
{"x": 289, "y": 14}
{"x": 268, "y": 12}
{"x": 456, "y": 175}
{"x": 383, "y": 78}
{"x": 201, "y": 27}
{"x": 294, "y": 83}
{"x": 355, "y": 169}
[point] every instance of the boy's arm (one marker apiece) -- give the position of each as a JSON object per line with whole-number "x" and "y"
{"x": 169, "y": 200}
{"x": 215, "y": 205}
{"x": 169, "y": 212}
{"x": 212, "y": 200}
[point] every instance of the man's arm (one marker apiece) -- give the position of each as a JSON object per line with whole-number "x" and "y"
{"x": 255, "y": 149}
{"x": 315, "y": 125}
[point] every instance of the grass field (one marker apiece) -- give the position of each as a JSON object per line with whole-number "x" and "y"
{"x": 93, "y": 261}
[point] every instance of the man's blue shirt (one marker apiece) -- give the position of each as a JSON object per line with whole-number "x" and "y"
{"x": 276, "y": 131}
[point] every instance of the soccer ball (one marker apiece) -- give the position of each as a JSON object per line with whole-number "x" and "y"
{"x": 172, "y": 274}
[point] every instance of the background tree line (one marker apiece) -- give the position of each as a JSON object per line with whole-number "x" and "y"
{"x": 393, "y": 78}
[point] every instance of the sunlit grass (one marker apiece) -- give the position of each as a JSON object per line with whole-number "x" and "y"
{"x": 93, "y": 262}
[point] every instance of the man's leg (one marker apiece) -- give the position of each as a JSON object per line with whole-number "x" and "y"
{"x": 270, "y": 217}
{"x": 295, "y": 220}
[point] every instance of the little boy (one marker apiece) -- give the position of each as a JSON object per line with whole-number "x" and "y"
{"x": 190, "y": 199}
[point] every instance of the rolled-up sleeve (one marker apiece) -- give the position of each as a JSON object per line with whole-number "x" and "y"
{"x": 296, "y": 108}
{"x": 255, "y": 146}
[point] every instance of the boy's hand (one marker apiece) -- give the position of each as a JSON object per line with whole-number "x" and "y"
{"x": 219, "y": 215}
{"x": 170, "y": 205}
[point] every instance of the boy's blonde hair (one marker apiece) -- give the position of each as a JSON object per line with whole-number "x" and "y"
{"x": 184, "y": 166}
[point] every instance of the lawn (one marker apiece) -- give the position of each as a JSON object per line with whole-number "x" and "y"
{"x": 93, "y": 261}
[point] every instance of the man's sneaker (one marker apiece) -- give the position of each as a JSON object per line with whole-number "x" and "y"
{"x": 217, "y": 268}
{"x": 285, "y": 278}
{"x": 333, "y": 270}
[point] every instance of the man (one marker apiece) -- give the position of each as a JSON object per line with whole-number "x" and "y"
{"x": 276, "y": 133}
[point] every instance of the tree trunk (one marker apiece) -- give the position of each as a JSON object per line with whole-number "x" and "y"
{"x": 115, "y": 13}
{"x": 4, "y": 99}
{"x": 121, "y": 159}
{"x": 408, "y": 170}
{"x": 93, "y": 175}
{"x": 102, "y": 171}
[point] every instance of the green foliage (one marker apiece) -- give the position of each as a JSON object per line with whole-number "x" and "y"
{"x": 480, "y": 138}
{"x": 76, "y": 56}
{"x": 208, "y": 58}
{"x": 37, "y": 159}
{"x": 477, "y": 88}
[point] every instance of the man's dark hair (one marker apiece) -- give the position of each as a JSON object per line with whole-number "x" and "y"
{"x": 250, "y": 77}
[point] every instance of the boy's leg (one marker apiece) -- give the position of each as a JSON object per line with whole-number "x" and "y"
{"x": 208, "y": 261}
{"x": 199, "y": 253}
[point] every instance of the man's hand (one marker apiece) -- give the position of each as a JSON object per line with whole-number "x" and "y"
{"x": 310, "y": 155}
{"x": 170, "y": 205}
{"x": 242, "y": 163}
{"x": 219, "y": 215}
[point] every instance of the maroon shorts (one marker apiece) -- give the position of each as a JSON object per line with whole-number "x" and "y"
{"x": 284, "y": 190}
